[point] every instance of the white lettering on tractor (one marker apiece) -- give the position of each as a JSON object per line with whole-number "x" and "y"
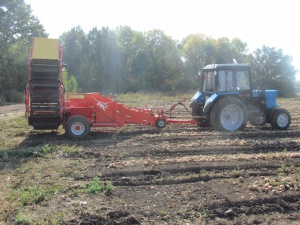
{"x": 103, "y": 106}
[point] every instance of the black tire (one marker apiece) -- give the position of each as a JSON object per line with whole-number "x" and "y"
{"x": 228, "y": 114}
{"x": 258, "y": 119}
{"x": 77, "y": 127}
{"x": 161, "y": 123}
{"x": 204, "y": 123}
{"x": 281, "y": 119}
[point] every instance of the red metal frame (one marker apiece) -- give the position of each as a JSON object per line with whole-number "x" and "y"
{"x": 103, "y": 111}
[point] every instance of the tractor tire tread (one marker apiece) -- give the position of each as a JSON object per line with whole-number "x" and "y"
{"x": 219, "y": 106}
{"x": 275, "y": 115}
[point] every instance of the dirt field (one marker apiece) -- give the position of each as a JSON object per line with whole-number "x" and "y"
{"x": 181, "y": 174}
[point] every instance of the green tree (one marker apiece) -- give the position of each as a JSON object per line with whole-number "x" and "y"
{"x": 199, "y": 51}
{"x": 272, "y": 69}
{"x": 69, "y": 82}
{"x": 140, "y": 68}
{"x": 74, "y": 44}
{"x": 93, "y": 58}
{"x": 17, "y": 28}
{"x": 224, "y": 51}
{"x": 227, "y": 50}
{"x": 127, "y": 47}
{"x": 239, "y": 50}
{"x": 165, "y": 60}
{"x": 18, "y": 24}
{"x": 104, "y": 60}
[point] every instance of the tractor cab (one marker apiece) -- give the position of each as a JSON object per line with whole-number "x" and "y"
{"x": 225, "y": 78}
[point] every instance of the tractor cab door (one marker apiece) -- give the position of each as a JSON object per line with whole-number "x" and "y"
{"x": 227, "y": 81}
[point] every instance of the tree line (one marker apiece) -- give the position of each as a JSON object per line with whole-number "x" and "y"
{"x": 124, "y": 60}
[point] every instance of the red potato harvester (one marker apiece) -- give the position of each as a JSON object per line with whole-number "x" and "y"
{"x": 47, "y": 108}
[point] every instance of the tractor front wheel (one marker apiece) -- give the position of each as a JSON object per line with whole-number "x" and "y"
{"x": 228, "y": 114}
{"x": 280, "y": 119}
{"x": 77, "y": 127}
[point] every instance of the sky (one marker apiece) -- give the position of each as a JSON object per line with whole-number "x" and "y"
{"x": 274, "y": 23}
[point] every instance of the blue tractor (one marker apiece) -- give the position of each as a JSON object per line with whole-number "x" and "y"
{"x": 226, "y": 101}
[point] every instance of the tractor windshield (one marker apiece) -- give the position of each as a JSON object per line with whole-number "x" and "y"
{"x": 209, "y": 82}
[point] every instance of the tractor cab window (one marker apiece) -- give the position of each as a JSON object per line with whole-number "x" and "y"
{"x": 230, "y": 80}
{"x": 243, "y": 80}
{"x": 209, "y": 82}
{"x": 227, "y": 80}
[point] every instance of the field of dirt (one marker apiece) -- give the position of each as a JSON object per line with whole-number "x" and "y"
{"x": 182, "y": 174}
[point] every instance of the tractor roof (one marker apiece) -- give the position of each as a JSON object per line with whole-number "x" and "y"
{"x": 227, "y": 67}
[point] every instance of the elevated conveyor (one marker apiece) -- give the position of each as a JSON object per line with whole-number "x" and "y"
{"x": 45, "y": 91}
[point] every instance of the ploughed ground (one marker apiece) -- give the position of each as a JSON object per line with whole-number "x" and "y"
{"x": 182, "y": 174}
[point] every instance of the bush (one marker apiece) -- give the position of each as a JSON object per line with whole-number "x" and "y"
{"x": 2, "y": 100}
{"x": 13, "y": 96}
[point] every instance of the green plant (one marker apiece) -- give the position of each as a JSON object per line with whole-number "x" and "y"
{"x": 74, "y": 162}
{"x": 288, "y": 169}
{"x": 32, "y": 195}
{"x": 21, "y": 219}
{"x": 236, "y": 173}
{"x": 66, "y": 148}
{"x": 54, "y": 219}
{"x": 45, "y": 149}
{"x": 282, "y": 169}
{"x": 97, "y": 186}
{"x": 202, "y": 212}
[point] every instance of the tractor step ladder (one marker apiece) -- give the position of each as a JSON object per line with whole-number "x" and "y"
{"x": 45, "y": 92}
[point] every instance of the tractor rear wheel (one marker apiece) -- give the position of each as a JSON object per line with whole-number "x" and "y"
{"x": 280, "y": 119}
{"x": 77, "y": 127}
{"x": 228, "y": 114}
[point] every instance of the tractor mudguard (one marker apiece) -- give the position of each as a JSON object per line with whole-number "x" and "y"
{"x": 209, "y": 102}
{"x": 198, "y": 97}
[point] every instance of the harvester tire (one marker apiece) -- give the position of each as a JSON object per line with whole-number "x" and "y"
{"x": 280, "y": 119}
{"x": 161, "y": 123}
{"x": 77, "y": 127}
{"x": 229, "y": 114}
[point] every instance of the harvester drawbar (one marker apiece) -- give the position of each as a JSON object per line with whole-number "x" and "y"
{"x": 226, "y": 100}
{"x": 47, "y": 108}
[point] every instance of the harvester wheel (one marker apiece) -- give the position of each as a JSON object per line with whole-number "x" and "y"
{"x": 258, "y": 119}
{"x": 77, "y": 127}
{"x": 280, "y": 119}
{"x": 161, "y": 123}
{"x": 228, "y": 114}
